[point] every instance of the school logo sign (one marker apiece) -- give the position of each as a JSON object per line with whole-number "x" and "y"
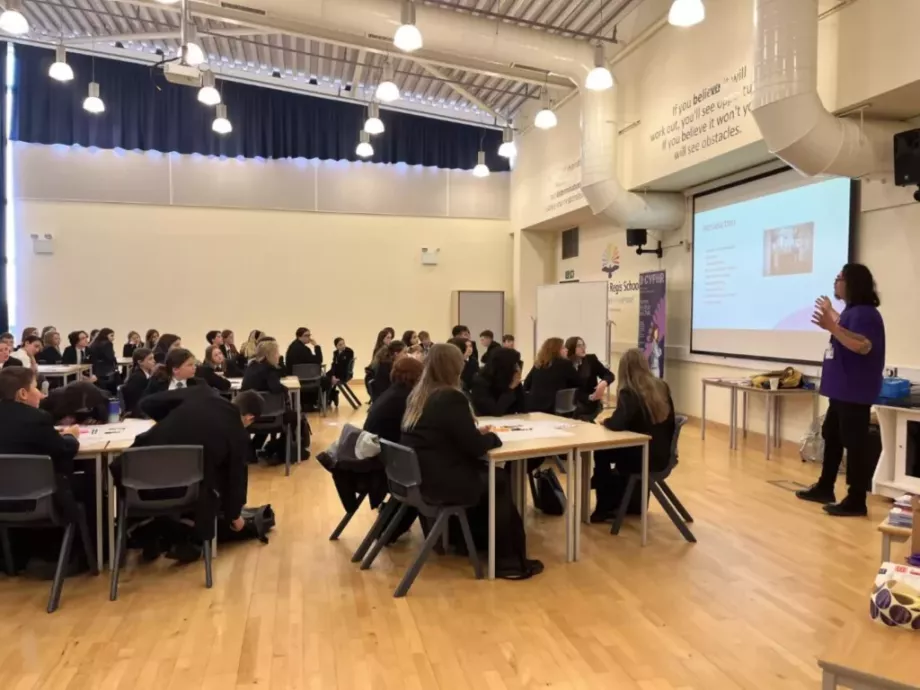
{"x": 610, "y": 261}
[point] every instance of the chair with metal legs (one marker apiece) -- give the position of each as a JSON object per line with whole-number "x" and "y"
{"x": 27, "y": 488}
{"x": 661, "y": 491}
{"x": 404, "y": 478}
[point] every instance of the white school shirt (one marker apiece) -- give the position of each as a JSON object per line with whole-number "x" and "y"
{"x": 173, "y": 384}
{"x": 22, "y": 356}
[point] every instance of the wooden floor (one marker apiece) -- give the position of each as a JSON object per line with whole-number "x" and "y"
{"x": 749, "y": 606}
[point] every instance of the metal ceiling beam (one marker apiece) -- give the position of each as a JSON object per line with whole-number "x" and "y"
{"x": 157, "y": 36}
{"x": 463, "y": 92}
{"x": 291, "y": 27}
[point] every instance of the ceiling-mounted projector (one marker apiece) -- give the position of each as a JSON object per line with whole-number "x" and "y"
{"x": 177, "y": 73}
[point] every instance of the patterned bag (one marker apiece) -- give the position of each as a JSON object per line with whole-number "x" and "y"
{"x": 895, "y": 599}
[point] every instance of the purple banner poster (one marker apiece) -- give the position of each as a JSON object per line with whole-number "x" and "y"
{"x": 653, "y": 319}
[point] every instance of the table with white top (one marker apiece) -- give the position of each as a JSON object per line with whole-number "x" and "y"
{"x": 292, "y": 383}
{"x": 63, "y": 371}
{"x": 537, "y": 435}
{"x": 124, "y": 363}
{"x": 102, "y": 443}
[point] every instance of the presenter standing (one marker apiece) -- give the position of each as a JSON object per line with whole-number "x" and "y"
{"x": 851, "y": 379}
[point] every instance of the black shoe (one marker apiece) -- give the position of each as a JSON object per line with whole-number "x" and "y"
{"x": 599, "y": 516}
{"x": 184, "y": 552}
{"x": 816, "y": 494}
{"x": 847, "y": 508}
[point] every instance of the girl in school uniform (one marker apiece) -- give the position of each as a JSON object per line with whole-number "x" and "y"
{"x": 248, "y": 351}
{"x": 551, "y": 373}
{"x": 166, "y": 343}
{"x": 134, "y": 342}
{"x": 264, "y": 375}
{"x": 151, "y": 339}
{"x": 383, "y": 365}
{"x": 142, "y": 368}
{"x": 234, "y": 363}
{"x": 105, "y": 364}
{"x": 51, "y": 353}
{"x": 593, "y": 378}
{"x": 384, "y": 338}
{"x": 76, "y": 352}
{"x": 497, "y": 390}
{"x": 178, "y": 371}
{"x": 211, "y": 370}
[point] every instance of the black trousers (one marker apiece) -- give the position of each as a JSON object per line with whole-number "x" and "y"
{"x": 846, "y": 425}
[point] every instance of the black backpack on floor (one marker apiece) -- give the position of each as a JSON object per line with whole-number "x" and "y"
{"x": 548, "y": 494}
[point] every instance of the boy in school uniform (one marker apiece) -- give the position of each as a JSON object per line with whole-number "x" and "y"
{"x": 487, "y": 340}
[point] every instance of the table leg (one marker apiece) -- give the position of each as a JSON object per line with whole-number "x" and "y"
{"x": 828, "y": 680}
{"x": 766, "y": 429}
{"x": 733, "y": 418}
{"x": 644, "y": 493}
{"x": 570, "y": 500}
{"x": 703, "y": 415}
{"x": 99, "y": 499}
{"x": 587, "y": 470}
{"x": 777, "y": 426}
{"x": 515, "y": 485}
{"x": 299, "y": 409}
{"x": 744, "y": 409}
{"x": 112, "y": 503}
{"x": 577, "y": 500}
{"x": 886, "y": 548}
{"x": 491, "y": 519}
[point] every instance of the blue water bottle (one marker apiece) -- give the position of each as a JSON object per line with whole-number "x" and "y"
{"x": 114, "y": 411}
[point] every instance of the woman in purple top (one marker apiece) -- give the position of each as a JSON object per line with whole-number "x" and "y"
{"x": 851, "y": 379}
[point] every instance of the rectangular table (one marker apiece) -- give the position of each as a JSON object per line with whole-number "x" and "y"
{"x": 124, "y": 363}
{"x": 570, "y": 438}
{"x": 101, "y": 444}
{"x": 866, "y": 655}
{"x": 292, "y": 383}
{"x": 892, "y": 533}
{"x": 63, "y": 371}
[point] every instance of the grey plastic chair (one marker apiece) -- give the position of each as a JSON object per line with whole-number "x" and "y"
{"x": 405, "y": 478}
{"x": 565, "y": 402}
{"x": 27, "y": 488}
{"x": 153, "y": 469}
{"x": 274, "y": 405}
{"x": 345, "y": 390}
{"x": 311, "y": 379}
{"x": 661, "y": 491}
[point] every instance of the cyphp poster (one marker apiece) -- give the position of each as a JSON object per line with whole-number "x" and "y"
{"x": 653, "y": 319}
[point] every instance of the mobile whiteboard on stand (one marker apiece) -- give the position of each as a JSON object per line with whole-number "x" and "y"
{"x": 574, "y": 309}
{"x": 479, "y": 310}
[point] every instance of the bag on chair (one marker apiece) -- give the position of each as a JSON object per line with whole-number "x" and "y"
{"x": 549, "y": 496}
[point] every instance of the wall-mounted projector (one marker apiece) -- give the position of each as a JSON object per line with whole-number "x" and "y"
{"x": 177, "y": 73}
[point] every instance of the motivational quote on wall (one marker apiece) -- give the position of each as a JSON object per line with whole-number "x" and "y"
{"x": 707, "y": 117}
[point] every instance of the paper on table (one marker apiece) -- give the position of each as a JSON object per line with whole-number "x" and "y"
{"x": 114, "y": 433}
{"x": 509, "y": 430}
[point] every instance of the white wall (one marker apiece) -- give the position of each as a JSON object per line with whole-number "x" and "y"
{"x": 182, "y": 269}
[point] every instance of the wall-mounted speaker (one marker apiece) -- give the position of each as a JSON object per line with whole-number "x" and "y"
{"x": 636, "y": 237}
{"x": 907, "y": 158}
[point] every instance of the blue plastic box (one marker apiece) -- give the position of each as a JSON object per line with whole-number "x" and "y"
{"x": 894, "y": 388}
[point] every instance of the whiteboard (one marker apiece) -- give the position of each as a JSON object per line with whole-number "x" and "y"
{"x": 574, "y": 309}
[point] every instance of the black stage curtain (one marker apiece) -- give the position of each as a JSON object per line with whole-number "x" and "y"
{"x": 144, "y": 112}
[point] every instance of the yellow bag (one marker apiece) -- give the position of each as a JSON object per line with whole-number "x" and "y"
{"x": 788, "y": 378}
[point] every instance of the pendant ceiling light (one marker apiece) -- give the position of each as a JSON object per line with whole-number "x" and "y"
{"x": 208, "y": 93}
{"x": 12, "y": 20}
{"x": 508, "y": 148}
{"x": 546, "y": 118}
{"x": 481, "y": 169}
{"x": 686, "y": 12}
{"x": 387, "y": 90}
{"x": 221, "y": 123}
{"x": 190, "y": 51}
{"x": 60, "y": 70}
{"x": 599, "y": 78}
{"x": 407, "y": 37}
{"x": 93, "y": 103}
{"x": 364, "y": 148}
{"x": 373, "y": 124}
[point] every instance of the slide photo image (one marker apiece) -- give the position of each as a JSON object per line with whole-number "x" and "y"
{"x": 789, "y": 251}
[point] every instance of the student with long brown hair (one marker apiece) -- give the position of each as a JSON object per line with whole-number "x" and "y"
{"x": 644, "y": 406}
{"x": 133, "y": 342}
{"x": 165, "y": 343}
{"x": 178, "y": 371}
{"x": 382, "y": 366}
{"x": 551, "y": 373}
{"x": 439, "y": 425}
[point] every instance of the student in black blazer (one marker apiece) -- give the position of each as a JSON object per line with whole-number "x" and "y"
{"x": 470, "y": 363}
{"x": 551, "y": 373}
{"x": 151, "y": 338}
{"x": 341, "y": 370}
{"x": 644, "y": 406}
{"x": 178, "y": 371}
{"x": 134, "y": 342}
{"x": 385, "y": 416}
{"x": 440, "y": 427}
{"x": 165, "y": 343}
{"x": 5, "y": 359}
{"x": 142, "y": 368}
{"x": 211, "y": 370}
{"x": 461, "y": 331}
{"x": 497, "y": 389}
{"x": 487, "y": 340}
{"x": 264, "y": 375}
{"x": 594, "y": 378}
{"x": 303, "y": 350}
{"x": 383, "y": 365}
{"x": 77, "y": 352}
{"x": 105, "y": 364}
{"x": 234, "y": 362}
{"x": 51, "y": 353}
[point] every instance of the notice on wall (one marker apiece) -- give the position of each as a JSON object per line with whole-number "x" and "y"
{"x": 653, "y": 319}
{"x": 564, "y": 191}
{"x": 707, "y": 117}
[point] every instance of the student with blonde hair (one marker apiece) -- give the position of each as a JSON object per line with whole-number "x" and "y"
{"x": 264, "y": 375}
{"x": 644, "y": 406}
{"x": 439, "y": 425}
{"x": 551, "y": 373}
{"x": 248, "y": 351}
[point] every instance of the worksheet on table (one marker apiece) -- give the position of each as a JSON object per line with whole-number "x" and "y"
{"x": 511, "y": 429}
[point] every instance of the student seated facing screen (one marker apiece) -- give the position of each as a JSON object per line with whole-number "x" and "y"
{"x": 382, "y": 365}
{"x": 142, "y": 368}
{"x": 384, "y": 338}
{"x": 211, "y": 370}
{"x": 593, "y": 376}
{"x": 200, "y": 417}
{"x": 487, "y": 340}
{"x": 166, "y": 343}
{"x": 424, "y": 340}
{"x": 178, "y": 371}
{"x": 234, "y": 363}
{"x": 76, "y": 352}
{"x": 470, "y": 363}
{"x": 5, "y": 359}
{"x": 551, "y": 373}
{"x": 51, "y": 352}
{"x": 134, "y": 342}
{"x": 264, "y": 375}
{"x": 105, "y": 363}
{"x": 28, "y": 351}
{"x": 341, "y": 371}
{"x": 644, "y": 406}
{"x": 497, "y": 390}
{"x": 151, "y": 339}
{"x": 440, "y": 427}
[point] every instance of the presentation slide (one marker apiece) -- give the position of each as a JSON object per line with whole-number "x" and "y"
{"x": 762, "y": 253}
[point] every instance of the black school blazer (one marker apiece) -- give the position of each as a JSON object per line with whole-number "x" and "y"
{"x": 590, "y": 373}
{"x": 543, "y": 384}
